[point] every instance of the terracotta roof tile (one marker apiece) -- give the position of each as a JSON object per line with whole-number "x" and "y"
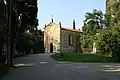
{"x": 68, "y": 29}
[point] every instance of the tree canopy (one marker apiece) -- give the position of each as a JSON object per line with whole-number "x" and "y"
{"x": 24, "y": 24}
{"x": 94, "y": 21}
{"x": 112, "y": 12}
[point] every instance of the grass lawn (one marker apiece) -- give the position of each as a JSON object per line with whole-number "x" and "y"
{"x": 3, "y": 71}
{"x": 75, "y": 57}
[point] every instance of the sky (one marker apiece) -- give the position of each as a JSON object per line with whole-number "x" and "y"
{"x": 66, "y": 10}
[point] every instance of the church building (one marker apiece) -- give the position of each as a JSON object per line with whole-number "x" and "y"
{"x": 59, "y": 39}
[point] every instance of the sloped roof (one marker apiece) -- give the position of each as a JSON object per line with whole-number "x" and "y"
{"x": 68, "y": 29}
{"x": 62, "y": 28}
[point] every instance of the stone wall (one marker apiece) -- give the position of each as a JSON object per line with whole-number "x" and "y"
{"x": 65, "y": 47}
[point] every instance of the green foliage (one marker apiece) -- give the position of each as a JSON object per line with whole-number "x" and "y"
{"x": 39, "y": 44}
{"x": 27, "y": 11}
{"x": 26, "y": 41}
{"x": 27, "y": 14}
{"x": 109, "y": 41}
{"x": 30, "y": 41}
{"x": 24, "y": 18}
{"x": 94, "y": 21}
{"x": 2, "y": 8}
{"x": 3, "y": 24}
{"x": 102, "y": 40}
{"x": 87, "y": 41}
{"x": 112, "y": 13}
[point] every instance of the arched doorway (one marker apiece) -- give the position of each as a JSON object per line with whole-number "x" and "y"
{"x": 51, "y": 47}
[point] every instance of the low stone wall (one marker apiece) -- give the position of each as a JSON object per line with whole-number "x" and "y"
{"x": 90, "y": 50}
{"x": 87, "y": 50}
{"x": 68, "y": 49}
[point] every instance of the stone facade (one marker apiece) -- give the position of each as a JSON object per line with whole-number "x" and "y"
{"x": 62, "y": 39}
{"x": 51, "y": 35}
{"x": 65, "y": 46}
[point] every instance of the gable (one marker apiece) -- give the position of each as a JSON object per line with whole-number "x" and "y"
{"x": 51, "y": 25}
{"x": 52, "y": 34}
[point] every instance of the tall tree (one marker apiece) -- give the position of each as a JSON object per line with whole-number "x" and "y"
{"x": 3, "y": 23}
{"x": 27, "y": 18}
{"x": 93, "y": 21}
{"x": 112, "y": 12}
{"x": 24, "y": 16}
{"x": 27, "y": 11}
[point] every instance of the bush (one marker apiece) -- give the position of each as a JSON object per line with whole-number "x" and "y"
{"x": 109, "y": 41}
{"x": 87, "y": 41}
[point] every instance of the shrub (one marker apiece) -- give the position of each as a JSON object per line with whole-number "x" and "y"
{"x": 109, "y": 41}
